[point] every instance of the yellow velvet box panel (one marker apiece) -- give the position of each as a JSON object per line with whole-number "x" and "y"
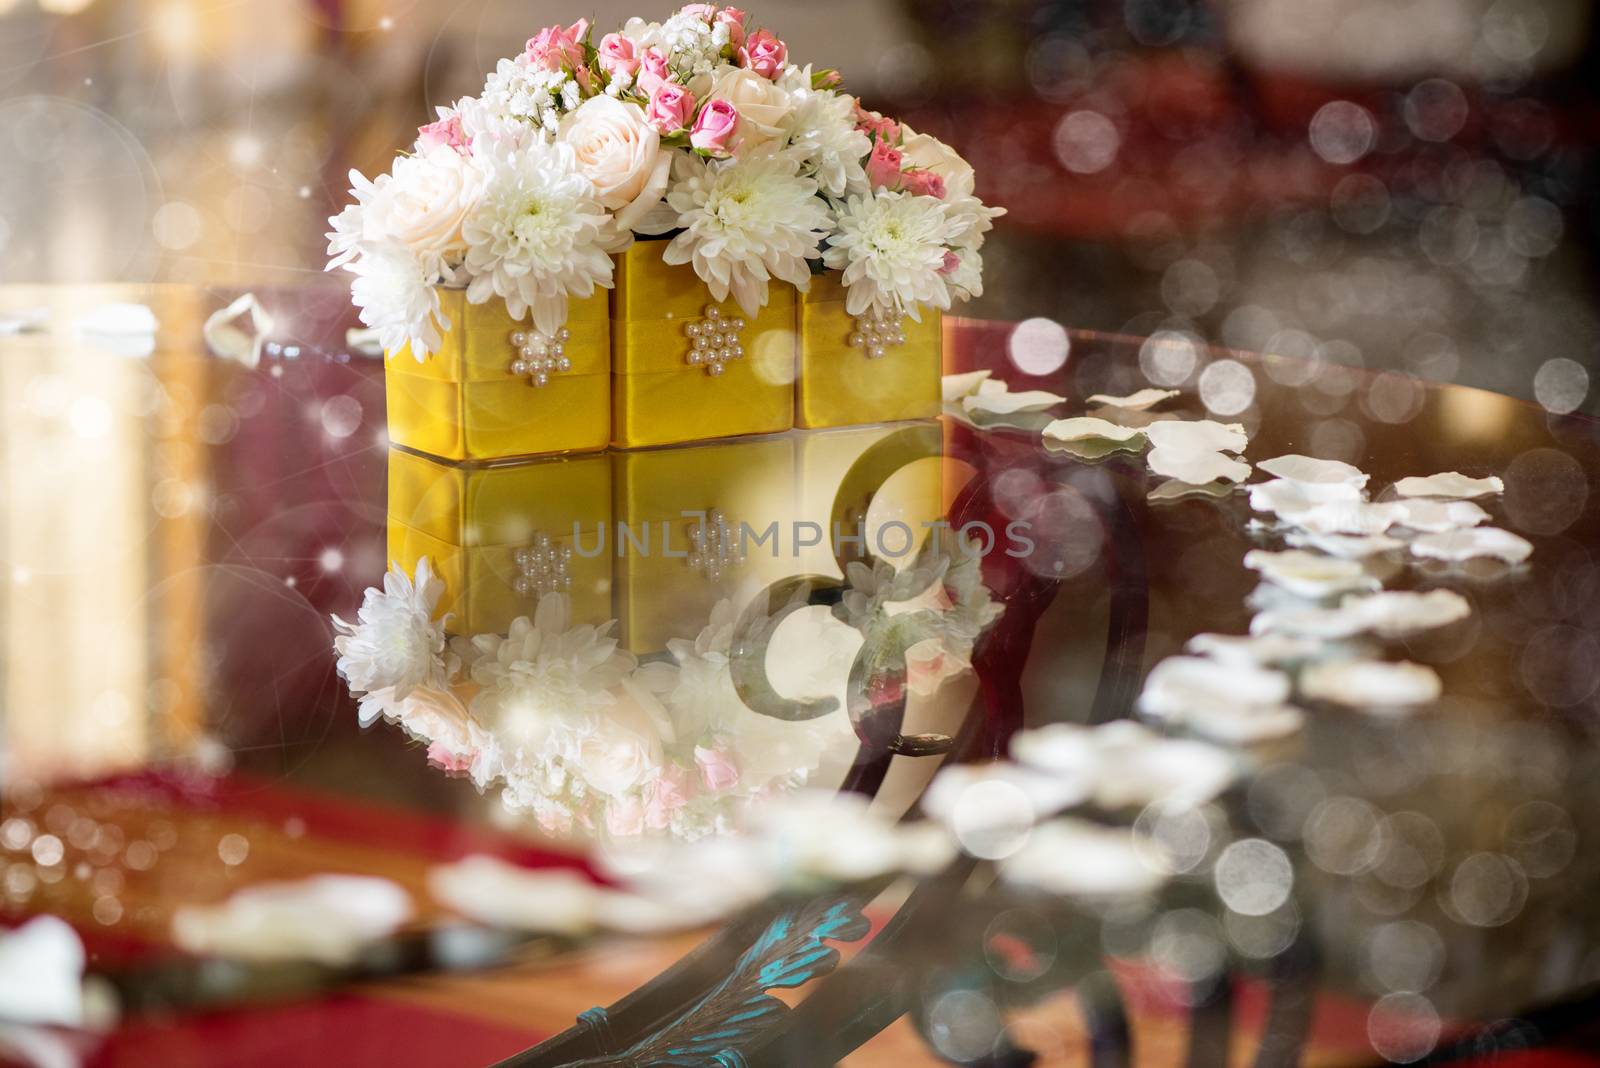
{"x": 660, "y": 397}
{"x": 469, "y": 402}
{"x": 670, "y": 574}
{"x": 502, "y": 536}
{"x": 841, "y": 384}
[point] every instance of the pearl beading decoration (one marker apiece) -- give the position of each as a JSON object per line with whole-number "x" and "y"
{"x": 713, "y": 341}
{"x": 542, "y": 567}
{"x": 877, "y": 333}
{"x": 539, "y": 355}
{"x": 714, "y": 546}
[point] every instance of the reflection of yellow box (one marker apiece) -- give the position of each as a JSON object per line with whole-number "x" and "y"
{"x": 502, "y": 536}
{"x": 659, "y": 397}
{"x": 842, "y": 384}
{"x": 673, "y": 568}
{"x": 881, "y": 484}
{"x": 469, "y": 400}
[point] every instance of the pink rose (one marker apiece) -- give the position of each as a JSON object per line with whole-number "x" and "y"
{"x": 653, "y": 71}
{"x": 924, "y": 183}
{"x": 883, "y": 166}
{"x": 880, "y": 128}
{"x": 618, "y": 55}
{"x": 717, "y": 769}
{"x": 556, "y": 48}
{"x": 951, "y": 264}
{"x": 671, "y": 108}
{"x": 625, "y": 816}
{"x": 664, "y": 797}
{"x": 714, "y": 128}
{"x": 445, "y": 132}
{"x": 764, "y": 54}
{"x": 732, "y": 18}
{"x": 830, "y": 79}
{"x": 703, "y": 12}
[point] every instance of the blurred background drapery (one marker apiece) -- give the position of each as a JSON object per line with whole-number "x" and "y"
{"x": 1397, "y": 184}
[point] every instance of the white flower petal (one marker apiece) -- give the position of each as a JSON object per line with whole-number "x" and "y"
{"x": 41, "y": 973}
{"x": 1197, "y": 435}
{"x": 1008, "y": 403}
{"x": 1196, "y": 468}
{"x": 1397, "y": 613}
{"x": 495, "y": 893}
{"x": 1371, "y": 683}
{"x": 118, "y": 320}
{"x": 1139, "y": 401}
{"x": 1449, "y": 484}
{"x": 1309, "y": 575}
{"x": 957, "y": 795}
{"x": 328, "y": 919}
{"x": 1130, "y": 765}
{"x": 1309, "y": 470}
{"x": 1241, "y": 724}
{"x": 1076, "y": 858}
{"x": 1345, "y": 546}
{"x": 954, "y": 387}
{"x": 1435, "y": 517}
{"x": 1253, "y": 650}
{"x": 1180, "y": 682}
{"x": 1457, "y": 545}
{"x": 1088, "y": 428}
{"x": 1176, "y": 489}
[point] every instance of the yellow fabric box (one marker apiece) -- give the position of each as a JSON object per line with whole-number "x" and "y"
{"x": 841, "y": 385}
{"x": 659, "y": 397}
{"x": 466, "y": 402}
{"x": 502, "y": 536}
{"x": 669, "y": 574}
{"x": 881, "y": 484}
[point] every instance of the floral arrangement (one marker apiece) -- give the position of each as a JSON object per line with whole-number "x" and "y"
{"x": 699, "y": 127}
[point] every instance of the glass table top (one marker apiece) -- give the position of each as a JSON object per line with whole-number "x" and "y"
{"x": 627, "y": 654}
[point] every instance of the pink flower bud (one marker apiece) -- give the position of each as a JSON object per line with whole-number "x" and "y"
{"x": 764, "y": 54}
{"x": 671, "y": 108}
{"x": 714, "y": 128}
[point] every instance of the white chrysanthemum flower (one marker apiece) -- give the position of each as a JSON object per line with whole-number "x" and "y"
{"x": 350, "y": 225}
{"x": 544, "y": 674}
{"x": 396, "y": 295}
{"x": 826, "y": 140}
{"x": 538, "y": 235}
{"x": 395, "y": 645}
{"x": 891, "y": 247}
{"x": 970, "y": 219}
{"x": 744, "y": 223}
{"x": 966, "y": 281}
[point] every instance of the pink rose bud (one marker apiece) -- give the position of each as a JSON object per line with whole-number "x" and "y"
{"x": 764, "y": 54}
{"x": 951, "y": 264}
{"x": 445, "y": 132}
{"x": 653, "y": 72}
{"x": 671, "y": 108}
{"x": 664, "y": 797}
{"x": 440, "y": 756}
{"x": 618, "y": 55}
{"x": 703, "y": 12}
{"x": 924, "y": 183}
{"x": 880, "y": 128}
{"x": 830, "y": 79}
{"x": 732, "y": 18}
{"x": 714, "y": 128}
{"x": 555, "y": 48}
{"x": 717, "y": 769}
{"x": 883, "y": 166}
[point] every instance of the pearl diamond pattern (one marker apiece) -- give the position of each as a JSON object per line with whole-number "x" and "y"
{"x": 542, "y": 568}
{"x": 714, "y": 546}
{"x": 538, "y": 355}
{"x": 714, "y": 340}
{"x": 877, "y": 333}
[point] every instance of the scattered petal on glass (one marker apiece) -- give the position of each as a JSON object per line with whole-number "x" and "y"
{"x": 1310, "y": 575}
{"x": 1008, "y": 403}
{"x": 1085, "y": 860}
{"x": 1139, "y": 401}
{"x": 1088, "y": 428}
{"x": 328, "y": 919}
{"x": 1437, "y": 516}
{"x": 1312, "y": 471}
{"x": 1196, "y": 468}
{"x": 1377, "y": 684}
{"x": 1457, "y": 545}
{"x": 1176, "y": 489}
{"x": 1131, "y": 765}
{"x": 118, "y": 320}
{"x": 363, "y": 341}
{"x": 1254, "y": 650}
{"x": 954, "y": 387}
{"x": 41, "y": 974}
{"x": 1449, "y": 484}
{"x": 1346, "y": 546}
{"x": 238, "y": 331}
{"x": 1197, "y": 435}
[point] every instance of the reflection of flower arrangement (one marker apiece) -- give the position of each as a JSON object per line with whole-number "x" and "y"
{"x": 571, "y": 728}
{"x": 697, "y": 125}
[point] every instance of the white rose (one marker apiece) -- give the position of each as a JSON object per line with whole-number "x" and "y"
{"x": 626, "y": 744}
{"x": 425, "y": 202}
{"x": 932, "y": 154}
{"x": 620, "y": 153}
{"x": 764, "y": 108}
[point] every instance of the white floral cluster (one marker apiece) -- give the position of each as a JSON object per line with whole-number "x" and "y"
{"x": 571, "y": 729}
{"x": 698, "y": 126}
